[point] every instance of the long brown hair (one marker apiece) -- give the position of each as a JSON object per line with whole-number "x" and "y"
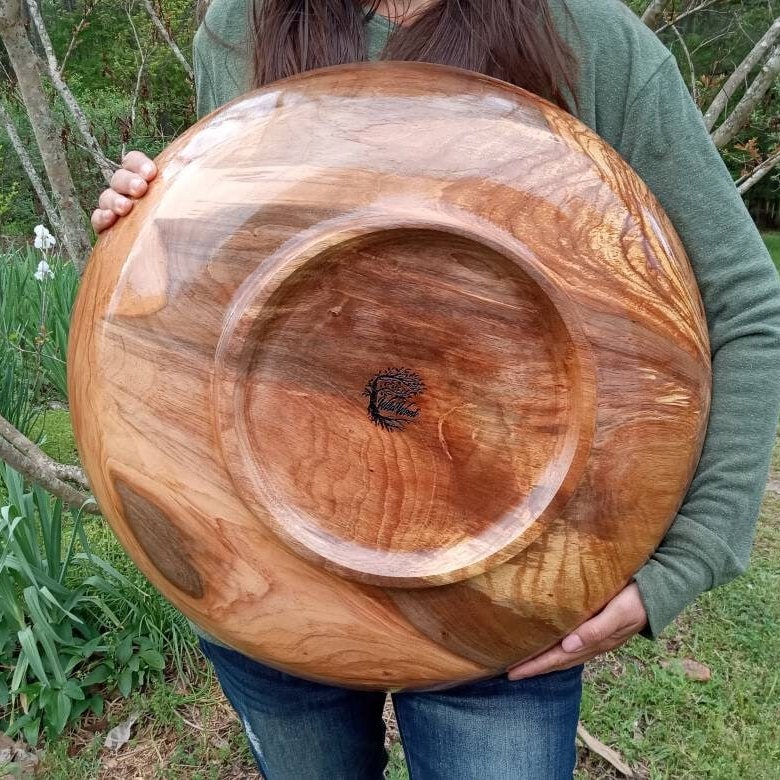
{"x": 513, "y": 40}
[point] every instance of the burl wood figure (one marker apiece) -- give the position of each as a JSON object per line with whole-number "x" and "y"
{"x": 396, "y": 375}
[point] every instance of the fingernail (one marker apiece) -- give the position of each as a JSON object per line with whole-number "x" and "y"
{"x": 137, "y": 185}
{"x": 572, "y": 643}
{"x": 125, "y": 203}
{"x": 147, "y": 169}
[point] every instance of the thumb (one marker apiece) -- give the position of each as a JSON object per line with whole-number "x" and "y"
{"x": 592, "y": 632}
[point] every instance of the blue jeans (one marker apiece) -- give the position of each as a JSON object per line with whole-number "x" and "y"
{"x": 490, "y": 730}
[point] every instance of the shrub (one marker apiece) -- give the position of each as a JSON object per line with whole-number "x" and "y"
{"x": 34, "y": 323}
{"x": 62, "y": 644}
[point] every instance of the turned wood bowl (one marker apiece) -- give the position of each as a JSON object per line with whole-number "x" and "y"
{"x": 396, "y": 375}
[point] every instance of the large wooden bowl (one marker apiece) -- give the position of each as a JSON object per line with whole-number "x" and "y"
{"x": 396, "y": 375}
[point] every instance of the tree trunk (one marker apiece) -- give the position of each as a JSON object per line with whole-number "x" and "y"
{"x": 754, "y": 93}
{"x": 654, "y": 12}
{"x": 103, "y": 163}
{"x": 739, "y": 76}
{"x": 26, "y": 65}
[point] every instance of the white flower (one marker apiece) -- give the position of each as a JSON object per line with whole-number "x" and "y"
{"x": 43, "y": 272}
{"x": 43, "y": 239}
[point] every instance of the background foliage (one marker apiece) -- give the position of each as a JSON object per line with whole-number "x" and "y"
{"x": 105, "y": 41}
{"x": 717, "y": 39}
{"x": 101, "y": 69}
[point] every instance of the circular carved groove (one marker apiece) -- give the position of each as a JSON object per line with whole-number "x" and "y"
{"x": 499, "y": 414}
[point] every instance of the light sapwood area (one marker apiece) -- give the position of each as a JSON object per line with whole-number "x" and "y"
{"x": 396, "y": 375}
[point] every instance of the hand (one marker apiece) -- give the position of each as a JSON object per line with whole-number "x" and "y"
{"x": 623, "y": 617}
{"x": 130, "y": 181}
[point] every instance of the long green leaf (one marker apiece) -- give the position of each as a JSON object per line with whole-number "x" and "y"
{"x": 47, "y": 594}
{"x": 61, "y": 713}
{"x": 42, "y": 621}
{"x": 78, "y": 531}
{"x": 44, "y": 634}
{"x": 30, "y": 650}
{"x": 20, "y": 672}
{"x": 10, "y": 607}
{"x": 51, "y": 529}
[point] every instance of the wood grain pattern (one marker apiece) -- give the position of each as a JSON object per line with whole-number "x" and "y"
{"x": 160, "y": 540}
{"x": 402, "y": 369}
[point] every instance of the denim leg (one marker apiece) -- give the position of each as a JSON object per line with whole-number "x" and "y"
{"x": 494, "y": 729}
{"x": 301, "y": 730}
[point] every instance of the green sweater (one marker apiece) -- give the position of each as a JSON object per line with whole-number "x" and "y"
{"x": 631, "y": 93}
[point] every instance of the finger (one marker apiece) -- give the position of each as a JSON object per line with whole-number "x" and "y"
{"x": 138, "y": 162}
{"x": 546, "y": 662}
{"x": 592, "y": 638}
{"x": 591, "y": 633}
{"x": 102, "y": 220}
{"x": 128, "y": 183}
{"x": 622, "y": 617}
{"x": 110, "y": 200}
{"x": 553, "y": 660}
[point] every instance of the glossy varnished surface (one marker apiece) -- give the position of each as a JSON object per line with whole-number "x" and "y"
{"x": 395, "y": 376}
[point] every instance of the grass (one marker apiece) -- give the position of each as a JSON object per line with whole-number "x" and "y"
{"x": 56, "y": 435}
{"x": 184, "y": 731}
{"x": 636, "y": 700}
{"x": 671, "y": 726}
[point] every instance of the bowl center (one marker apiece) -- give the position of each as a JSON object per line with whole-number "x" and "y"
{"x": 405, "y": 405}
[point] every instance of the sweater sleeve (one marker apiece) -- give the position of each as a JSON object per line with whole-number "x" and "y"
{"x": 665, "y": 141}
{"x": 221, "y": 55}
{"x": 205, "y": 99}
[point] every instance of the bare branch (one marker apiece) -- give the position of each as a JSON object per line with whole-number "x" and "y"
{"x": 141, "y": 67}
{"x": 73, "y": 38}
{"x": 754, "y": 93}
{"x": 27, "y": 67}
{"x": 34, "y": 464}
{"x": 106, "y": 166}
{"x": 654, "y": 12}
{"x": 694, "y": 90}
{"x": 31, "y": 450}
{"x": 166, "y": 36}
{"x": 759, "y": 172}
{"x": 607, "y": 753}
{"x": 685, "y": 14}
{"x": 29, "y": 169}
{"x": 739, "y": 76}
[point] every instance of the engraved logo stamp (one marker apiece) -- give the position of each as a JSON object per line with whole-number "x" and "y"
{"x": 391, "y": 395}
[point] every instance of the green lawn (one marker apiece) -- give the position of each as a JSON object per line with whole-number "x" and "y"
{"x": 725, "y": 728}
{"x": 637, "y": 700}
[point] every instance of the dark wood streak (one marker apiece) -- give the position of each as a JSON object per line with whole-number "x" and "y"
{"x": 160, "y": 539}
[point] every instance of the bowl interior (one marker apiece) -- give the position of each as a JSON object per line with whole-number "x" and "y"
{"x": 405, "y": 405}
